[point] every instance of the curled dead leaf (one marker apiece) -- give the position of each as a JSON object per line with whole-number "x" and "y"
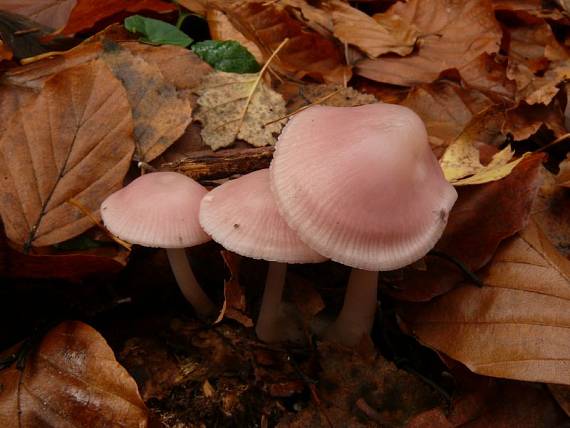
{"x": 52, "y": 13}
{"x": 71, "y": 378}
{"x": 73, "y": 141}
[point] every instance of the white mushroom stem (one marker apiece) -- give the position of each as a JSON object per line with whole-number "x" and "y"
{"x": 188, "y": 284}
{"x": 358, "y": 311}
{"x": 268, "y": 326}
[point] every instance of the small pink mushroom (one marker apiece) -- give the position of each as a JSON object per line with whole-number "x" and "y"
{"x": 160, "y": 210}
{"x": 361, "y": 186}
{"x": 242, "y": 216}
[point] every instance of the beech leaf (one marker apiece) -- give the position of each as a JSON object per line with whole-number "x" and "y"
{"x": 160, "y": 112}
{"x": 70, "y": 379}
{"x": 373, "y": 35}
{"x": 52, "y": 13}
{"x": 225, "y": 114}
{"x": 453, "y": 34}
{"x": 73, "y": 141}
{"x": 518, "y": 325}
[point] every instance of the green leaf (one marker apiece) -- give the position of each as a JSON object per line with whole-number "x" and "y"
{"x": 226, "y": 55}
{"x": 156, "y": 32}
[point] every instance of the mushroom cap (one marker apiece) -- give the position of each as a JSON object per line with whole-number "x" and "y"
{"x": 242, "y": 216}
{"x": 361, "y": 185}
{"x": 159, "y": 209}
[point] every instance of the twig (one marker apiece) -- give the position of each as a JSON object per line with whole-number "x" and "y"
{"x": 256, "y": 84}
{"x": 97, "y": 223}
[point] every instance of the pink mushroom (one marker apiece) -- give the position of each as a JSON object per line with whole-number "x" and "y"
{"x": 161, "y": 209}
{"x": 361, "y": 186}
{"x": 242, "y": 216}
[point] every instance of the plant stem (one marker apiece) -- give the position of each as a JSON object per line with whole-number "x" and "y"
{"x": 267, "y": 328}
{"x": 188, "y": 284}
{"x": 358, "y": 311}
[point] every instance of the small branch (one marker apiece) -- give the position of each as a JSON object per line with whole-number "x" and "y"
{"x": 209, "y": 165}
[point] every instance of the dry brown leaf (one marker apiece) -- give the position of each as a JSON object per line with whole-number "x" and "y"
{"x": 11, "y": 100}
{"x": 88, "y": 13}
{"x": 222, "y": 29}
{"x": 52, "y": 13}
{"x": 306, "y": 54}
{"x": 70, "y": 379}
{"x": 518, "y": 325}
{"x": 488, "y": 73}
{"x": 160, "y": 112}
{"x": 524, "y": 120}
{"x": 330, "y": 95}
{"x": 530, "y": 11}
{"x": 234, "y": 306}
{"x": 452, "y": 35}
{"x": 447, "y": 108}
{"x": 222, "y": 110}
{"x": 73, "y": 141}
{"x": 373, "y": 35}
{"x": 551, "y": 211}
{"x": 542, "y": 89}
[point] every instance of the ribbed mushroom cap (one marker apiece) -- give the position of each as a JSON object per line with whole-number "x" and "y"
{"x": 159, "y": 209}
{"x": 361, "y": 185}
{"x": 242, "y": 216}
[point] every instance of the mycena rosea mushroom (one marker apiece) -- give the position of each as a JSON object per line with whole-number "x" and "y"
{"x": 242, "y": 216}
{"x": 361, "y": 186}
{"x": 160, "y": 210}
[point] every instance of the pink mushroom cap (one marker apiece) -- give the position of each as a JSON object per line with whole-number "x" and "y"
{"x": 159, "y": 209}
{"x": 242, "y": 216}
{"x": 361, "y": 185}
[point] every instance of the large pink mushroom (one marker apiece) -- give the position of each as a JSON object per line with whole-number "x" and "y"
{"x": 160, "y": 210}
{"x": 242, "y": 216}
{"x": 361, "y": 186}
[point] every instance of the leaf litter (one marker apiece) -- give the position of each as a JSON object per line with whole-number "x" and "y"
{"x": 487, "y": 77}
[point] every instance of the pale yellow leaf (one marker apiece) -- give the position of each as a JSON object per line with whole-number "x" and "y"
{"x": 223, "y": 112}
{"x": 461, "y": 165}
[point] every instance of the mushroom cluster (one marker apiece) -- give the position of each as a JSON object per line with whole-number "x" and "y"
{"x": 361, "y": 186}
{"x": 357, "y": 185}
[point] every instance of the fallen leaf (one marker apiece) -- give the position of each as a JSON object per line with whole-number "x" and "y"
{"x": 483, "y": 216}
{"x": 452, "y": 35}
{"x": 11, "y": 100}
{"x": 373, "y": 35}
{"x": 523, "y": 121}
{"x": 543, "y": 89}
{"x": 179, "y": 66}
{"x": 530, "y": 11}
{"x": 228, "y": 55}
{"x": 551, "y": 211}
{"x": 160, "y": 112}
{"x": 447, "y": 108}
{"x": 503, "y": 404}
{"x": 87, "y": 13}
{"x": 306, "y": 54}
{"x": 73, "y": 266}
{"x": 234, "y": 306}
{"x": 71, "y": 378}
{"x": 51, "y": 13}
{"x": 72, "y": 141}
{"x": 461, "y": 165}
{"x": 156, "y": 32}
{"x": 517, "y": 325}
{"x": 222, "y": 110}
{"x": 330, "y": 95}
{"x": 222, "y": 29}
{"x": 488, "y": 73}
